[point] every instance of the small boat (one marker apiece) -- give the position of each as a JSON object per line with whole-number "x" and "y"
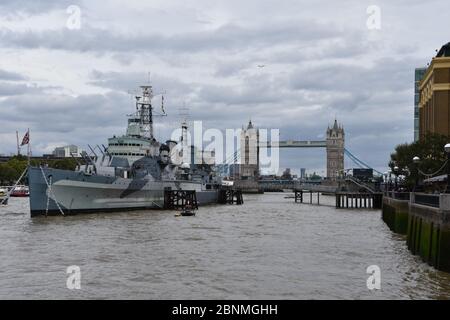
{"x": 185, "y": 213}
{"x": 20, "y": 191}
{"x": 3, "y": 196}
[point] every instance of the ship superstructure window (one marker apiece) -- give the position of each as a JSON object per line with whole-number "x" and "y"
{"x": 127, "y": 154}
{"x": 127, "y": 144}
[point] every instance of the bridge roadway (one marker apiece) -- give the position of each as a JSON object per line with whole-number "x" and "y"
{"x": 295, "y": 185}
{"x": 294, "y": 144}
{"x": 272, "y": 185}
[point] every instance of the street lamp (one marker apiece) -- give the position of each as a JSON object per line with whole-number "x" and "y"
{"x": 385, "y": 177}
{"x": 396, "y": 177}
{"x": 416, "y": 161}
{"x": 447, "y": 150}
{"x": 390, "y": 179}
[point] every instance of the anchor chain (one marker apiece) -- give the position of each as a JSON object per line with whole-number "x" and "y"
{"x": 50, "y": 193}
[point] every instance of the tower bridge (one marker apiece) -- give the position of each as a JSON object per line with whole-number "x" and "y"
{"x": 334, "y": 145}
{"x": 248, "y": 168}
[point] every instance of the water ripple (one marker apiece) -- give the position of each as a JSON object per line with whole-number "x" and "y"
{"x": 269, "y": 248}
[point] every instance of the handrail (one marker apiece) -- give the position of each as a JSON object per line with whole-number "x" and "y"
{"x": 432, "y": 200}
{"x": 359, "y": 183}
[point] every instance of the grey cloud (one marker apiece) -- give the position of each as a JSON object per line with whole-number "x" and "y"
{"x": 11, "y": 76}
{"x": 354, "y": 78}
{"x": 12, "y": 89}
{"x": 13, "y": 7}
{"x": 62, "y": 113}
{"x": 229, "y": 37}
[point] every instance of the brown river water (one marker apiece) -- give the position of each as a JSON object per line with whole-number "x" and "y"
{"x": 268, "y": 248}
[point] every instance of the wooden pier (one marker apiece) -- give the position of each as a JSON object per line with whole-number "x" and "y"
{"x": 359, "y": 200}
{"x": 299, "y": 196}
{"x": 369, "y": 200}
{"x": 180, "y": 199}
{"x": 230, "y": 196}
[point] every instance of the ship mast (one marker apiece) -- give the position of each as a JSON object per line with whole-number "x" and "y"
{"x": 145, "y": 111}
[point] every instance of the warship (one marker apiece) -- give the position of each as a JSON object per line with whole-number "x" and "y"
{"x": 132, "y": 172}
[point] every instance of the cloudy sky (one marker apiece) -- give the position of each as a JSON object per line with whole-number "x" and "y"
{"x": 71, "y": 85}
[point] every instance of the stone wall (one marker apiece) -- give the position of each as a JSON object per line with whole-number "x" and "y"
{"x": 427, "y": 228}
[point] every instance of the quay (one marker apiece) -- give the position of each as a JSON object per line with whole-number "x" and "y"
{"x": 425, "y": 220}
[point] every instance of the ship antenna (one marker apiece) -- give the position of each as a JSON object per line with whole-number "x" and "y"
{"x": 145, "y": 111}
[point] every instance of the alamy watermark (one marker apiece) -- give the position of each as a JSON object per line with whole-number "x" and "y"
{"x": 374, "y": 280}
{"x": 74, "y": 279}
{"x": 233, "y": 146}
{"x": 374, "y": 17}
{"x": 74, "y": 20}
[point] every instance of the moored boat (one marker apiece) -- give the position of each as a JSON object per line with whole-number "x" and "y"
{"x": 132, "y": 172}
{"x": 20, "y": 191}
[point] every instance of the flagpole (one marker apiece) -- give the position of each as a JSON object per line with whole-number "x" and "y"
{"x": 18, "y": 147}
{"x": 29, "y": 147}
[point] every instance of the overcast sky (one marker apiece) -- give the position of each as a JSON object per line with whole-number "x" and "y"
{"x": 70, "y": 86}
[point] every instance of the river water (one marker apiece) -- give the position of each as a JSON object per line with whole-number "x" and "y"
{"x": 268, "y": 248}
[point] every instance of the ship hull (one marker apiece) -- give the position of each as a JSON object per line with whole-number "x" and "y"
{"x": 54, "y": 192}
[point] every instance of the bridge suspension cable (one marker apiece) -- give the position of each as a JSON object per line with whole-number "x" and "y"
{"x": 359, "y": 162}
{"x": 223, "y": 169}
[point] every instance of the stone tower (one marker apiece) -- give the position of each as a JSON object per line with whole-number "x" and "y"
{"x": 335, "y": 151}
{"x": 249, "y": 166}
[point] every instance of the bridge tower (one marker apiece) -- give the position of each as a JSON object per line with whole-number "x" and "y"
{"x": 335, "y": 150}
{"x": 249, "y": 140}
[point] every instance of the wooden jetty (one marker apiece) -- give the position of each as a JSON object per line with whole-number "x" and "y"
{"x": 230, "y": 196}
{"x": 347, "y": 200}
{"x": 180, "y": 199}
{"x": 359, "y": 200}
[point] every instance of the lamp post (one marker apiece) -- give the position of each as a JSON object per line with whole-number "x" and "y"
{"x": 396, "y": 177}
{"x": 390, "y": 179}
{"x": 416, "y": 161}
{"x": 447, "y": 150}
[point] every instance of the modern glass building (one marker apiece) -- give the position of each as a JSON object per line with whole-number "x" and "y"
{"x": 419, "y": 73}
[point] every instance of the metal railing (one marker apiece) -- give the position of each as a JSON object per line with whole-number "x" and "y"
{"x": 397, "y": 195}
{"x": 431, "y": 200}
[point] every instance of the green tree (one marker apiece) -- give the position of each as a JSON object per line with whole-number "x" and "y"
{"x": 14, "y": 167}
{"x": 430, "y": 150}
{"x": 7, "y": 174}
{"x": 64, "y": 164}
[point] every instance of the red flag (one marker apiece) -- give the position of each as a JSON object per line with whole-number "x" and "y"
{"x": 26, "y": 138}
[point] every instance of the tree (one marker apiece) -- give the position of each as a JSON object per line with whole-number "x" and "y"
{"x": 7, "y": 174}
{"x": 11, "y": 170}
{"x": 430, "y": 150}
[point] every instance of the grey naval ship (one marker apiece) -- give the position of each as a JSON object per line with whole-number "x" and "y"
{"x": 131, "y": 173}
